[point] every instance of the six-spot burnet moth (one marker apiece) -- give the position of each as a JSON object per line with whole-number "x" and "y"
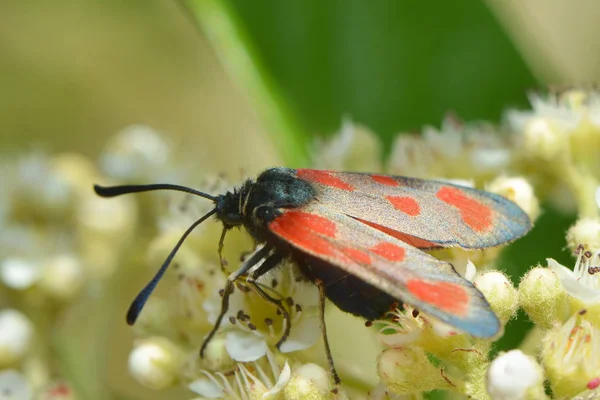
{"x": 359, "y": 237}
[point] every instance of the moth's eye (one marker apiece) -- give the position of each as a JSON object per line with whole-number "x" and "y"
{"x": 266, "y": 214}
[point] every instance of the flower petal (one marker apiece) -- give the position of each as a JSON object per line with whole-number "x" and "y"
{"x": 302, "y": 336}
{"x": 245, "y": 346}
{"x": 207, "y": 388}
{"x": 571, "y": 284}
{"x": 283, "y": 380}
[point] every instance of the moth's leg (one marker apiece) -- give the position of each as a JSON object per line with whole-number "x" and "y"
{"x": 321, "y": 287}
{"x": 222, "y": 261}
{"x": 246, "y": 266}
{"x": 265, "y": 267}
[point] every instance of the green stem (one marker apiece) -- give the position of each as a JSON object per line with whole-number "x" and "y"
{"x": 236, "y": 51}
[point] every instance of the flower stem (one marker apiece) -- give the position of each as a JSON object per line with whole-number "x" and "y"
{"x": 236, "y": 51}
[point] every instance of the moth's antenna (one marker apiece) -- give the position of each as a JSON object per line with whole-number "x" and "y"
{"x": 142, "y": 297}
{"x": 112, "y": 191}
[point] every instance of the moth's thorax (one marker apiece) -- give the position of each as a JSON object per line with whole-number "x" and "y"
{"x": 255, "y": 203}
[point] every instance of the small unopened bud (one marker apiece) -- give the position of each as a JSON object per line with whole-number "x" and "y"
{"x": 155, "y": 362}
{"x": 62, "y": 276}
{"x": 499, "y": 292}
{"x": 407, "y": 370}
{"x": 586, "y": 232}
{"x": 135, "y": 153}
{"x": 15, "y": 337}
{"x": 542, "y": 296}
{"x": 19, "y": 273}
{"x": 543, "y": 139}
{"x": 216, "y": 357}
{"x": 354, "y": 148}
{"x": 308, "y": 381}
{"x": 520, "y": 191}
{"x": 515, "y": 376}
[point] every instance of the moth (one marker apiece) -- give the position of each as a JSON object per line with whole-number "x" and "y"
{"x": 360, "y": 238}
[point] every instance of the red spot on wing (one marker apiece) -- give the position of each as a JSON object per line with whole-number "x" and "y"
{"x": 407, "y": 205}
{"x": 385, "y": 180}
{"x": 303, "y": 230}
{"x": 357, "y": 255}
{"x": 476, "y": 215}
{"x": 449, "y": 297}
{"x": 313, "y": 222}
{"x": 406, "y": 238}
{"x": 389, "y": 251}
{"x": 323, "y": 177}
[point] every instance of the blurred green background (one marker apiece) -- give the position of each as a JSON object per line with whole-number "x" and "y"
{"x": 72, "y": 73}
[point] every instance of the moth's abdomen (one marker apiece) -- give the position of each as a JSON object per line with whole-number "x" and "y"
{"x": 347, "y": 292}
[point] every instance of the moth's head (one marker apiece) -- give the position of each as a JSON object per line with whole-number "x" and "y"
{"x": 228, "y": 209}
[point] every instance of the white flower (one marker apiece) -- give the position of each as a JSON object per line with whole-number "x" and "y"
{"x": 247, "y": 381}
{"x": 455, "y": 150}
{"x": 13, "y": 386}
{"x": 582, "y": 283}
{"x": 571, "y": 356}
{"x": 16, "y": 333}
{"x": 512, "y": 375}
{"x": 252, "y": 324}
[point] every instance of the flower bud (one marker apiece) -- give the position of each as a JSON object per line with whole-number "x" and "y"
{"x": 515, "y": 376}
{"x": 135, "y": 153}
{"x": 155, "y": 362}
{"x": 499, "y": 292}
{"x": 354, "y": 148}
{"x": 543, "y": 139}
{"x": 16, "y": 333}
{"x": 586, "y": 232}
{"x": 62, "y": 276}
{"x": 309, "y": 381}
{"x": 542, "y": 296}
{"x": 407, "y": 370}
{"x": 19, "y": 273}
{"x": 518, "y": 190}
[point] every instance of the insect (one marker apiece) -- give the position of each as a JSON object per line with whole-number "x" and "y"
{"x": 360, "y": 238}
